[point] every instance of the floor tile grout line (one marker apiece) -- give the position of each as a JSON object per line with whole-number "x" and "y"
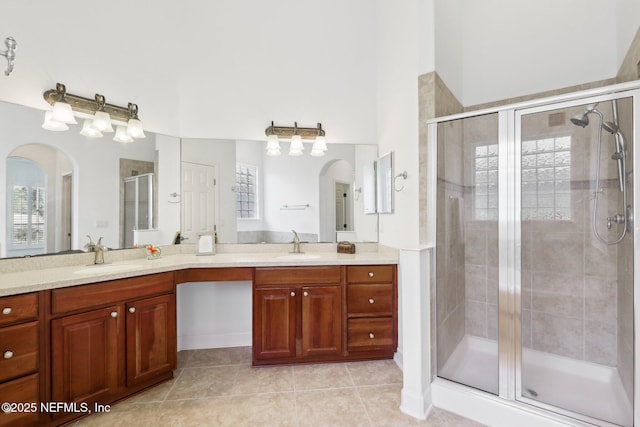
{"x": 175, "y": 381}
{"x": 364, "y": 407}
{"x": 295, "y": 397}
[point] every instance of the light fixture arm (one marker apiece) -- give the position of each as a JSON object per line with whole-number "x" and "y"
{"x": 10, "y": 54}
{"x": 89, "y": 106}
{"x": 286, "y": 132}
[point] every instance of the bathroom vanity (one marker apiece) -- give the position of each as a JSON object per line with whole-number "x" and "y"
{"x": 73, "y": 336}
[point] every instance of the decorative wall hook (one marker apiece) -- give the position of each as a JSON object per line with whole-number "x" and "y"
{"x": 10, "y": 54}
{"x": 402, "y": 175}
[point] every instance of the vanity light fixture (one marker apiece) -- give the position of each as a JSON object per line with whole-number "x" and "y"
{"x": 99, "y": 116}
{"x": 296, "y": 147}
{"x": 10, "y": 54}
{"x": 296, "y": 135}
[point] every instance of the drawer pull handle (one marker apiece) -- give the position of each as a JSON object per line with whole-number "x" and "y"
{"x": 371, "y": 274}
{"x": 371, "y": 335}
{"x": 293, "y": 294}
{"x": 371, "y": 301}
{"x": 8, "y": 354}
{"x": 305, "y": 293}
{"x": 7, "y": 310}
{"x": 114, "y": 314}
{"x": 132, "y": 309}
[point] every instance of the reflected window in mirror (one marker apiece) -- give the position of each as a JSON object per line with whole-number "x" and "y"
{"x": 26, "y": 222}
{"x": 246, "y": 191}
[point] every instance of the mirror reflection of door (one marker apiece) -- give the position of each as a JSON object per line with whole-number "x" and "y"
{"x": 198, "y": 200}
{"x": 343, "y": 220}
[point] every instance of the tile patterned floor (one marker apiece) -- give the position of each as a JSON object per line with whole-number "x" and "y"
{"x": 218, "y": 387}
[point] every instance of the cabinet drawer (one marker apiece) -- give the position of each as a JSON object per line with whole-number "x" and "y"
{"x": 18, "y": 350}
{"x": 18, "y": 308}
{"x": 370, "y": 300}
{"x": 297, "y": 275}
{"x": 370, "y": 334}
{"x": 105, "y": 293}
{"x": 370, "y": 273}
{"x": 22, "y": 390}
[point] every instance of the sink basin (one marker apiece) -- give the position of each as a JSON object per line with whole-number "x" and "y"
{"x": 298, "y": 256}
{"x": 109, "y": 268}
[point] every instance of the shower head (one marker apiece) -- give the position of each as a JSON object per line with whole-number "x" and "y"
{"x": 610, "y": 127}
{"x": 582, "y": 120}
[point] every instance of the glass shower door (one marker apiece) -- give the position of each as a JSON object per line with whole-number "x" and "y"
{"x": 575, "y": 343}
{"x": 467, "y": 246}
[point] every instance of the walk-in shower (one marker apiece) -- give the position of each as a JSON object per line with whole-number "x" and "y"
{"x": 535, "y": 255}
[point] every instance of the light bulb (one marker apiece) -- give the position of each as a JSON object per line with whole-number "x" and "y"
{"x": 53, "y": 125}
{"x": 297, "y": 147}
{"x": 122, "y": 135}
{"x": 89, "y": 131}
{"x": 102, "y": 121}
{"x": 63, "y": 113}
{"x": 134, "y": 128}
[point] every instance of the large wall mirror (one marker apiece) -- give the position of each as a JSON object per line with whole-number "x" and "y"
{"x": 60, "y": 187}
{"x": 260, "y": 199}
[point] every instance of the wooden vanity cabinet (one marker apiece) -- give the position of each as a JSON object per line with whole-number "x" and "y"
{"x": 20, "y": 357}
{"x": 372, "y": 325}
{"x": 297, "y": 314}
{"x": 111, "y": 339}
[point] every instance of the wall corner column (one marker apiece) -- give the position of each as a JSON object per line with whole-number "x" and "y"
{"x": 414, "y": 295}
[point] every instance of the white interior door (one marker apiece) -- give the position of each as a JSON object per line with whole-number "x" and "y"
{"x": 198, "y": 200}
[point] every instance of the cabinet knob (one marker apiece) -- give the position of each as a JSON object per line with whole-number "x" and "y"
{"x": 114, "y": 314}
{"x": 305, "y": 293}
{"x": 293, "y": 294}
{"x": 371, "y": 335}
{"x": 7, "y": 310}
{"x": 8, "y": 354}
{"x": 132, "y": 309}
{"x": 371, "y": 301}
{"x": 371, "y": 274}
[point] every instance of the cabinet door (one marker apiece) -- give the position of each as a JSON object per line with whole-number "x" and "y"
{"x": 151, "y": 331}
{"x": 321, "y": 320}
{"x": 84, "y": 356}
{"x": 274, "y": 314}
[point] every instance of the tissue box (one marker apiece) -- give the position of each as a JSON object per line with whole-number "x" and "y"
{"x": 346, "y": 248}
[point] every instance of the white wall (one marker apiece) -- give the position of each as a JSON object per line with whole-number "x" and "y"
{"x": 96, "y": 170}
{"x": 511, "y": 48}
{"x": 399, "y": 53}
{"x": 628, "y": 21}
{"x": 168, "y": 179}
{"x": 204, "y": 69}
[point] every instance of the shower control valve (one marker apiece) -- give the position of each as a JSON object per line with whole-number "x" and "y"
{"x": 618, "y": 219}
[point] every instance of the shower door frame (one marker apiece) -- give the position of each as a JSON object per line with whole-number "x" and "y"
{"x": 510, "y": 241}
{"x": 513, "y": 224}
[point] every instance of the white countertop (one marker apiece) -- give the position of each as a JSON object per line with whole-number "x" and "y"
{"x": 34, "y": 279}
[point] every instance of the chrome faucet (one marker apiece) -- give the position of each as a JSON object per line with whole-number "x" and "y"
{"x": 99, "y": 249}
{"x": 296, "y": 243}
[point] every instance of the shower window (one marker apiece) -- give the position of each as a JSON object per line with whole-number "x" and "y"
{"x": 546, "y": 174}
{"x": 486, "y": 182}
{"x": 246, "y": 191}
